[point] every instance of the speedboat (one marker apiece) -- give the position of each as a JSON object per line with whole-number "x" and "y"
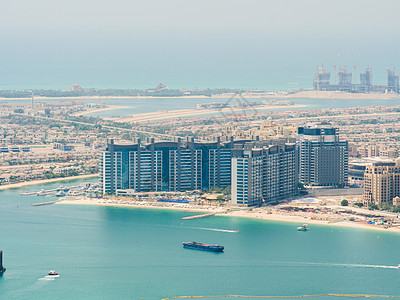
{"x": 52, "y": 273}
{"x": 303, "y": 227}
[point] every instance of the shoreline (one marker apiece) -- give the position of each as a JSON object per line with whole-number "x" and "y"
{"x": 311, "y": 94}
{"x": 298, "y": 220}
{"x": 191, "y": 112}
{"x": 36, "y": 182}
{"x": 96, "y": 110}
{"x": 255, "y": 213}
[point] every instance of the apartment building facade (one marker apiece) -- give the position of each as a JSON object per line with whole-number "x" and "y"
{"x": 323, "y": 157}
{"x": 263, "y": 173}
{"x": 179, "y": 165}
{"x": 258, "y": 172}
{"x": 381, "y": 183}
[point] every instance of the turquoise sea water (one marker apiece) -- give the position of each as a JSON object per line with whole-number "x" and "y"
{"x": 125, "y": 253}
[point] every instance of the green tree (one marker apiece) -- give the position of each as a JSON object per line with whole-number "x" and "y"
{"x": 227, "y": 190}
{"x": 373, "y": 206}
{"x": 344, "y": 202}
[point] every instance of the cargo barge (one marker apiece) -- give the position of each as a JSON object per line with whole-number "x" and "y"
{"x": 204, "y": 247}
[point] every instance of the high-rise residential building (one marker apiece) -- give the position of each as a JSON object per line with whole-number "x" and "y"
{"x": 180, "y": 165}
{"x": 145, "y": 170}
{"x": 185, "y": 169}
{"x": 219, "y": 167}
{"x": 323, "y": 157}
{"x": 280, "y": 174}
{"x": 247, "y": 176}
{"x": 263, "y": 173}
{"x": 381, "y": 183}
{"x": 259, "y": 171}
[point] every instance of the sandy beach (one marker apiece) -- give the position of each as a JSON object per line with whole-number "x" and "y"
{"x": 165, "y": 114}
{"x": 35, "y": 182}
{"x": 264, "y": 213}
{"x": 259, "y": 214}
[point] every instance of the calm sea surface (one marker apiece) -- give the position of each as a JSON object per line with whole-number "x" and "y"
{"x": 123, "y": 253}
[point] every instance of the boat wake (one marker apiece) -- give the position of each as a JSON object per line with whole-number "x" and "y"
{"x": 352, "y": 265}
{"x": 49, "y": 277}
{"x": 367, "y": 266}
{"x": 215, "y": 229}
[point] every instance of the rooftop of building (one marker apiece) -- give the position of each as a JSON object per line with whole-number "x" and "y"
{"x": 368, "y": 161}
{"x": 321, "y": 125}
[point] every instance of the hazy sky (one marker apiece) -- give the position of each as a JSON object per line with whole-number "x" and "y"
{"x": 121, "y": 43}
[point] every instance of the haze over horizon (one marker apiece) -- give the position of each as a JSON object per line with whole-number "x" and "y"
{"x": 186, "y": 44}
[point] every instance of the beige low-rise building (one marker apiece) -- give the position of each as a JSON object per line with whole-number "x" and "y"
{"x": 382, "y": 183}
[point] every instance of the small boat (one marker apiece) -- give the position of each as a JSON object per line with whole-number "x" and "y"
{"x": 205, "y": 247}
{"x": 303, "y": 227}
{"x": 398, "y": 266}
{"x": 52, "y": 273}
{"x": 41, "y": 193}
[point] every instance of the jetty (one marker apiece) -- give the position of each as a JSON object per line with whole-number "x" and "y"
{"x": 45, "y": 203}
{"x": 198, "y": 216}
{"x": 61, "y": 191}
{"x": 28, "y": 194}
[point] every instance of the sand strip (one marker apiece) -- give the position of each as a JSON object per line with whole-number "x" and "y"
{"x": 259, "y": 213}
{"x": 164, "y": 114}
{"x": 91, "y": 111}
